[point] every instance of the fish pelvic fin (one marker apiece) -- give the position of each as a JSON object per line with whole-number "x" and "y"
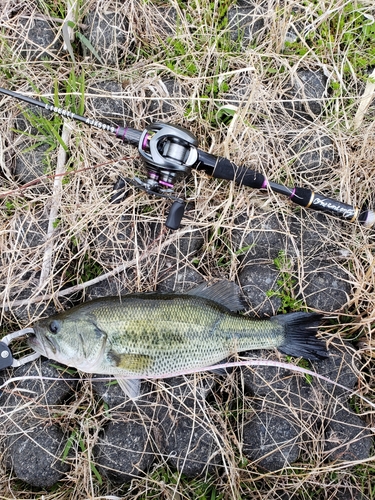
{"x": 226, "y": 293}
{"x": 130, "y": 386}
{"x": 300, "y": 331}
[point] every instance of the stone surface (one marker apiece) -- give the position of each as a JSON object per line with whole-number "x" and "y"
{"x": 276, "y": 385}
{"x": 165, "y": 21}
{"x": 185, "y": 245}
{"x": 326, "y": 285}
{"x": 123, "y": 451}
{"x": 33, "y": 228}
{"x": 339, "y": 367}
{"x": 303, "y": 99}
{"x": 246, "y": 22}
{"x": 116, "y": 240}
{"x": 190, "y": 447}
{"x": 186, "y": 439}
{"x": 187, "y": 390}
{"x": 315, "y": 234}
{"x": 35, "y": 451}
{"x": 36, "y": 384}
{"x": 177, "y": 278}
{"x": 271, "y": 440}
{"x": 265, "y": 238}
{"x": 106, "y": 102}
{"x": 282, "y": 385}
{"x": 112, "y": 286}
{"x": 111, "y": 393}
{"x": 314, "y": 404}
{"x": 165, "y": 101}
{"x": 39, "y": 40}
{"x": 314, "y": 156}
{"x": 109, "y": 34}
{"x": 346, "y": 437}
{"x": 22, "y": 121}
{"x": 34, "y": 443}
{"x": 259, "y": 287}
{"x": 31, "y": 165}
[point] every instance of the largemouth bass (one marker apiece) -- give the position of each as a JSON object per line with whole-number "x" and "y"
{"x": 154, "y": 335}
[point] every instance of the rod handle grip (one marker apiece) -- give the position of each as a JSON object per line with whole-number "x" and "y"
{"x": 222, "y": 168}
{"x": 308, "y": 199}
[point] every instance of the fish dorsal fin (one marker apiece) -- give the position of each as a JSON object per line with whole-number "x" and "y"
{"x": 131, "y": 387}
{"x": 225, "y": 293}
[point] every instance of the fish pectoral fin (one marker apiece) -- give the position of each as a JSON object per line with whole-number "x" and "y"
{"x": 130, "y": 362}
{"x": 131, "y": 387}
{"x": 225, "y": 293}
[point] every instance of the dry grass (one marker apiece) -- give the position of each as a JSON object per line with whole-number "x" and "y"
{"x": 44, "y": 259}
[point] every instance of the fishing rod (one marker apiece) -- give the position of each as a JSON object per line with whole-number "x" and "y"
{"x": 170, "y": 152}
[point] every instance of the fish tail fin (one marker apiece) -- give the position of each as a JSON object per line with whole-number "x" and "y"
{"x": 300, "y": 335}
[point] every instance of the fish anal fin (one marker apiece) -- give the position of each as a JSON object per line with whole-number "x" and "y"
{"x": 225, "y": 293}
{"x": 130, "y": 386}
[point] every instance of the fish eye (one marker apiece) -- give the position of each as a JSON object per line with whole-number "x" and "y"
{"x": 54, "y": 326}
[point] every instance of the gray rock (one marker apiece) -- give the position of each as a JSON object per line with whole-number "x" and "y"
{"x": 345, "y": 492}
{"x": 28, "y": 311}
{"x": 246, "y": 22}
{"x": 32, "y": 164}
{"x": 276, "y": 385}
{"x": 165, "y": 21}
{"x": 237, "y": 96}
{"x": 303, "y": 99}
{"x": 31, "y": 229}
{"x": 186, "y": 245}
{"x": 123, "y": 452}
{"x": 187, "y": 390}
{"x": 314, "y": 155}
{"x": 112, "y": 286}
{"x": 44, "y": 392}
{"x": 39, "y": 40}
{"x": 265, "y": 238}
{"x": 22, "y": 121}
{"x": 314, "y": 404}
{"x": 346, "y": 437}
{"x": 326, "y": 285}
{"x": 259, "y": 287}
{"x": 289, "y": 389}
{"x": 185, "y": 440}
{"x": 338, "y": 367}
{"x": 271, "y": 440}
{"x": 165, "y": 101}
{"x": 116, "y": 240}
{"x": 109, "y": 34}
{"x": 190, "y": 447}
{"x": 107, "y": 103}
{"x": 315, "y": 234}
{"x": 35, "y": 451}
{"x": 112, "y": 394}
{"x": 176, "y": 278}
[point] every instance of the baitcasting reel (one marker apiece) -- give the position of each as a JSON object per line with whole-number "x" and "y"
{"x": 169, "y": 152}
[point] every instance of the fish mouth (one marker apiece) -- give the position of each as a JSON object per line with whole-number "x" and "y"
{"x": 41, "y": 344}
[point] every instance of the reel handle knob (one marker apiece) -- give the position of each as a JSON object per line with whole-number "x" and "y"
{"x": 175, "y": 214}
